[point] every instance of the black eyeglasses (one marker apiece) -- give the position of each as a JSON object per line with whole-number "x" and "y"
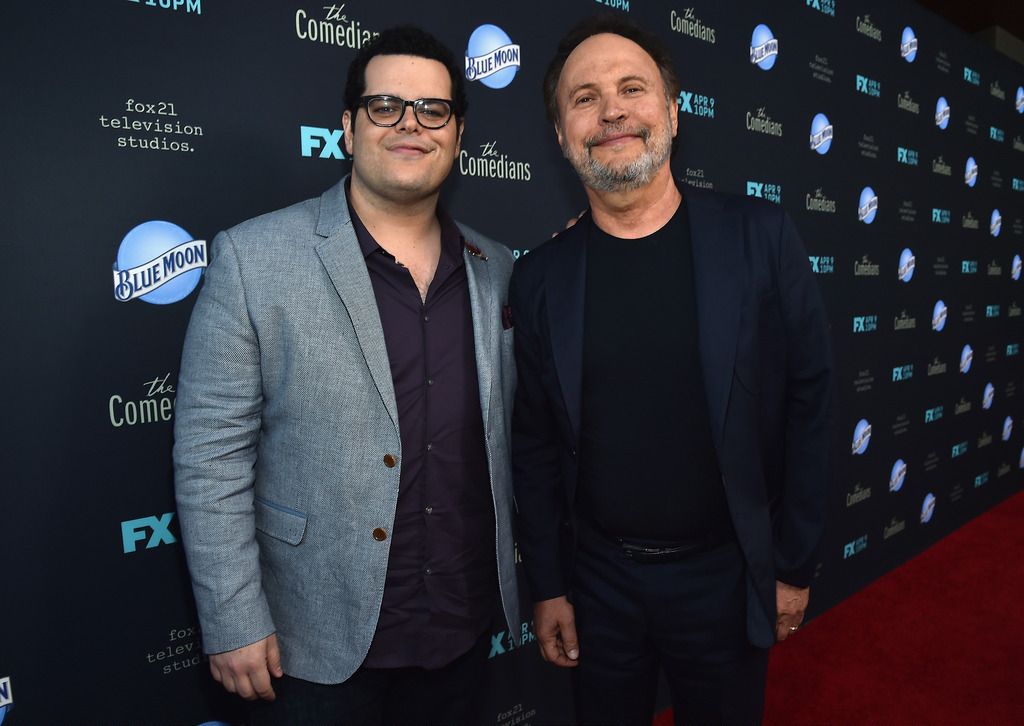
{"x": 430, "y": 113}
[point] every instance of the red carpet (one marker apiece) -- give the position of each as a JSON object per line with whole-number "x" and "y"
{"x": 939, "y": 640}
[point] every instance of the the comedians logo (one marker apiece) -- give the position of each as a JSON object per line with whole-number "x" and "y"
{"x": 905, "y": 272}
{"x": 821, "y": 133}
{"x": 939, "y": 314}
{"x": 939, "y": 166}
{"x": 819, "y": 202}
{"x": 491, "y": 164}
{"x": 908, "y": 45}
{"x": 995, "y": 223}
{"x": 687, "y": 23}
{"x": 910, "y": 157}
{"x": 905, "y": 102}
{"x": 866, "y": 27}
{"x": 696, "y": 104}
{"x": 334, "y": 29}
{"x": 897, "y": 475}
{"x": 971, "y": 172}
{"x": 764, "y": 47}
{"x": 864, "y": 267}
{"x": 156, "y": 405}
{"x": 158, "y": 262}
{"x": 936, "y": 367}
{"x": 996, "y": 90}
{"x": 869, "y": 86}
{"x": 942, "y": 112}
{"x": 762, "y": 123}
{"x": 894, "y": 527}
{"x": 859, "y": 494}
{"x": 969, "y": 221}
{"x": 491, "y": 57}
{"x": 867, "y": 207}
{"x": 861, "y": 437}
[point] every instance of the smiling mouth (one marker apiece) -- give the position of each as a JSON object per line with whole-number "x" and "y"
{"x": 617, "y": 135}
{"x": 408, "y": 149}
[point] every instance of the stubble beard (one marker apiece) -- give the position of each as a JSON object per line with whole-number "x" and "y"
{"x": 637, "y": 173}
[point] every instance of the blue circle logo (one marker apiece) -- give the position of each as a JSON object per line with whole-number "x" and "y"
{"x": 988, "y": 397}
{"x": 1007, "y": 428}
{"x": 861, "y": 437}
{"x": 966, "y": 358}
{"x": 971, "y": 172}
{"x": 821, "y": 134}
{"x": 867, "y": 208}
{"x": 995, "y": 223}
{"x": 1015, "y": 268}
{"x": 927, "y": 508}
{"x": 908, "y": 45}
{"x": 942, "y": 112}
{"x": 1021, "y": 464}
{"x": 491, "y": 57}
{"x": 764, "y": 47}
{"x": 907, "y": 263}
{"x": 898, "y": 475}
{"x": 159, "y": 263}
{"x": 1019, "y": 102}
{"x": 939, "y": 314}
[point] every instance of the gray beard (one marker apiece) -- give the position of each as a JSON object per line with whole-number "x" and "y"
{"x": 634, "y": 175}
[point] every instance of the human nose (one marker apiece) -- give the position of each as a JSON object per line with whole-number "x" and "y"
{"x": 612, "y": 109}
{"x": 408, "y": 120}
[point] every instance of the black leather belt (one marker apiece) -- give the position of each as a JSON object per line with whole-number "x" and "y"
{"x": 647, "y": 551}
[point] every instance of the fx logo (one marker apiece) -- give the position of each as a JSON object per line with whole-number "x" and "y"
{"x": 327, "y": 140}
{"x": 686, "y": 101}
{"x": 136, "y": 530}
{"x": 755, "y": 189}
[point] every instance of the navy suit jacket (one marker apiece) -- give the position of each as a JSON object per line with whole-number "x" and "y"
{"x": 765, "y": 356}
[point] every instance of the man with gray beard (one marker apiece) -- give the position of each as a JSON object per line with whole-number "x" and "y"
{"x": 671, "y": 428}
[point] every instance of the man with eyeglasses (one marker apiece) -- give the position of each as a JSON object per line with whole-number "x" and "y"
{"x": 341, "y": 454}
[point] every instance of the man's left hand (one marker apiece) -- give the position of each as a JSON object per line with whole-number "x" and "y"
{"x": 790, "y": 604}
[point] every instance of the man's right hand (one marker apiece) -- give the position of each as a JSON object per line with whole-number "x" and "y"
{"x": 247, "y": 670}
{"x": 554, "y": 622}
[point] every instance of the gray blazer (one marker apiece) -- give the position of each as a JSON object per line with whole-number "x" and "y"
{"x": 285, "y": 413}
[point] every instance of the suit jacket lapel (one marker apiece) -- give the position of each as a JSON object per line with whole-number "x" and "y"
{"x": 566, "y": 286}
{"x": 485, "y": 318}
{"x": 717, "y": 240}
{"x": 343, "y": 259}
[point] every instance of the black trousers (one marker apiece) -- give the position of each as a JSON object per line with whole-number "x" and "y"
{"x": 687, "y": 617}
{"x": 382, "y": 696}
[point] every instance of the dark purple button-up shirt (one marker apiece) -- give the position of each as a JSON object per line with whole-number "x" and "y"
{"x": 441, "y": 582}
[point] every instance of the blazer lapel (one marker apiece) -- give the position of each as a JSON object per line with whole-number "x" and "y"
{"x": 717, "y": 264}
{"x": 566, "y": 286}
{"x": 341, "y": 256}
{"x": 485, "y": 320}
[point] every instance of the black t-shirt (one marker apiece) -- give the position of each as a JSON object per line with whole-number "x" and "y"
{"x": 648, "y": 468}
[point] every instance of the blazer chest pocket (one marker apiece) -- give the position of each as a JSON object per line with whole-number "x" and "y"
{"x": 279, "y": 522}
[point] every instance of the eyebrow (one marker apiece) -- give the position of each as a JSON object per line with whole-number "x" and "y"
{"x": 591, "y": 84}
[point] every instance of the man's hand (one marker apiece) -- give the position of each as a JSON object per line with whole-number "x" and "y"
{"x": 247, "y": 671}
{"x": 790, "y": 604}
{"x": 554, "y": 622}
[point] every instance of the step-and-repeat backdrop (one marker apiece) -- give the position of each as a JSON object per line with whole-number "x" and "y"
{"x": 134, "y": 130}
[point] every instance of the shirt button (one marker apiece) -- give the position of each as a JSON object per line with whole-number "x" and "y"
{"x": 428, "y": 510}
{"x": 390, "y": 461}
{"x": 429, "y": 447}
{"x": 428, "y": 571}
{"x": 426, "y": 318}
{"x": 379, "y": 534}
{"x": 430, "y": 381}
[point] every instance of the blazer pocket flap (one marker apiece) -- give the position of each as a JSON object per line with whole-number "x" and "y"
{"x": 279, "y": 522}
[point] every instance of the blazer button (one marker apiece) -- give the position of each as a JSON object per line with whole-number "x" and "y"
{"x": 390, "y": 461}
{"x": 379, "y": 534}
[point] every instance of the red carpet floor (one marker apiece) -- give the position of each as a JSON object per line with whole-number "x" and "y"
{"x": 940, "y": 640}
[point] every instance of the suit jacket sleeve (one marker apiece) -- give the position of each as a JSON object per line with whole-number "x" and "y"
{"x": 217, "y": 428}
{"x": 799, "y": 521}
{"x": 536, "y": 471}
